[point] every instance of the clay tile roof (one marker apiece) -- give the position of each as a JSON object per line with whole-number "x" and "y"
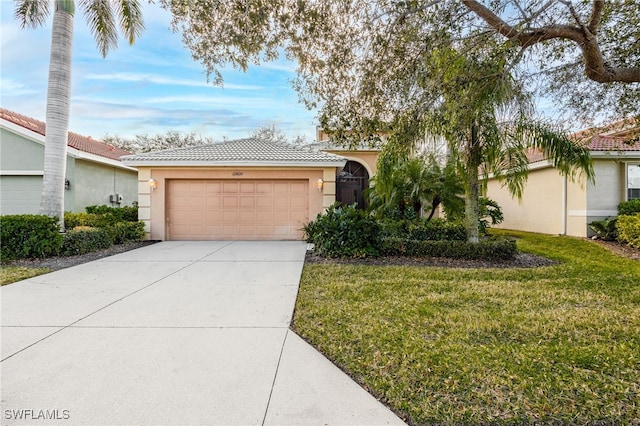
{"x": 251, "y": 150}
{"x": 79, "y": 142}
{"x": 623, "y": 135}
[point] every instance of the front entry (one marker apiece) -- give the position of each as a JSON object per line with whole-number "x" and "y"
{"x": 351, "y": 183}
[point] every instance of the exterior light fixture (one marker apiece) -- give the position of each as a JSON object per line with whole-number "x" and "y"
{"x": 320, "y": 185}
{"x": 67, "y": 184}
{"x": 153, "y": 184}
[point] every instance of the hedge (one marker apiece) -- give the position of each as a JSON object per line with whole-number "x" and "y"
{"x": 85, "y": 239}
{"x": 29, "y": 236}
{"x": 490, "y": 249}
{"x": 344, "y": 231}
{"x": 629, "y": 229}
{"x": 424, "y": 230}
{"x": 629, "y": 208}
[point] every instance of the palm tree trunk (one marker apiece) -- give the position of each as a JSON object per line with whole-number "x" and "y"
{"x": 472, "y": 193}
{"x": 57, "y": 118}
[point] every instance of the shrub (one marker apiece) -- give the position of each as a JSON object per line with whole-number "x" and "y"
{"x": 489, "y": 249}
{"x": 121, "y": 232}
{"x": 629, "y": 208}
{"x": 28, "y": 236}
{"x": 606, "y": 229}
{"x": 490, "y": 214}
{"x": 344, "y": 231}
{"x": 629, "y": 229}
{"x": 73, "y": 220}
{"x": 424, "y": 230}
{"x": 120, "y": 214}
{"x": 85, "y": 239}
{"x": 119, "y": 229}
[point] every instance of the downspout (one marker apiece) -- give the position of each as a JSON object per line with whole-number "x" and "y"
{"x": 564, "y": 205}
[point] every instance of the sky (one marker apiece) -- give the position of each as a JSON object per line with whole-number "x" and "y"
{"x": 149, "y": 88}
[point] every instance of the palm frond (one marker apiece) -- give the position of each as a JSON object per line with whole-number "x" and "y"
{"x": 571, "y": 159}
{"x": 101, "y": 21}
{"x": 131, "y": 21}
{"x": 32, "y": 13}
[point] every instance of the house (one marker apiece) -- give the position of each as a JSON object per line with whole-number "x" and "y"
{"x": 553, "y": 204}
{"x": 95, "y": 175}
{"x": 248, "y": 189}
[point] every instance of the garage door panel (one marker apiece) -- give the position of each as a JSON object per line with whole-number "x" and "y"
{"x": 230, "y": 187}
{"x": 230, "y": 202}
{"x": 247, "y": 202}
{"x": 241, "y": 209}
{"x": 247, "y": 217}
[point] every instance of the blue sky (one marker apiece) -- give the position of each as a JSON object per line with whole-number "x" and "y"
{"x": 149, "y": 88}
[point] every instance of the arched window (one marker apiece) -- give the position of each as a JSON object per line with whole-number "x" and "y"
{"x": 351, "y": 183}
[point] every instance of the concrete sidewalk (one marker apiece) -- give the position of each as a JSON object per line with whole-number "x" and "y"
{"x": 176, "y": 333}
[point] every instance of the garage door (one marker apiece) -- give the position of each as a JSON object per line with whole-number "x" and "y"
{"x": 237, "y": 209}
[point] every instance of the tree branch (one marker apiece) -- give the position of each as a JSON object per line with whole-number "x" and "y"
{"x": 596, "y": 68}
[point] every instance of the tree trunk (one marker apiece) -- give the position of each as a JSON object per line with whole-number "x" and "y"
{"x": 472, "y": 192}
{"x": 57, "y": 118}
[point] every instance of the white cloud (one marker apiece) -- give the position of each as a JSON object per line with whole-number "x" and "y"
{"x": 168, "y": 81}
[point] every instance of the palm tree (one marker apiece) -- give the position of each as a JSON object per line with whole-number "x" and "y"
{"x": 101, "y": 17}
{"x": 486, "y": 118}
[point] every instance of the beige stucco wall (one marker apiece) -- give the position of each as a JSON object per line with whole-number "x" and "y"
{"x": 366, "y": 158}
{"x": 543, "y": 207}
{"x": 152, "y": 203}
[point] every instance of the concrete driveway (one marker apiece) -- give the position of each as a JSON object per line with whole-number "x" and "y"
{"x": 176, "y": 333}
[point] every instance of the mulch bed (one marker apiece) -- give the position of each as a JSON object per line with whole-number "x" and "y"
{"x": 522, "y": 260}
{"x": 61, "y": 262}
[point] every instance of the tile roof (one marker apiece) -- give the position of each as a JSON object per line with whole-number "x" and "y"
{"x": 79, "y": 142}
{"x": 623, "y": 135}
{"x": 249, "y": 150}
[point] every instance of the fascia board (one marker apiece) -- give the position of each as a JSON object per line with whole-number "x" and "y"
{"x": 170, "y": 163}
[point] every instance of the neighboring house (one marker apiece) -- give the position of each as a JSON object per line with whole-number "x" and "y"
{"x": 246, "y": 189}
{"x": 94, "y": 176}
{"x": 552, "y": 204}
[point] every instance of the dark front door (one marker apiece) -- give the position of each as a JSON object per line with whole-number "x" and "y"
{"x": 351, "y": 183}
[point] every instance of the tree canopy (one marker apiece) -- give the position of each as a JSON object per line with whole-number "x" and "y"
{"x": 351, "y": 53}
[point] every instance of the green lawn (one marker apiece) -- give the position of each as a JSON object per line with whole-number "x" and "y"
{"x": 558, "y": 344}
{"x": 11, "y": 274}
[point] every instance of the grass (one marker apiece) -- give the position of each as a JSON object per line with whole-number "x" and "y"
{"x": 11, "y": 274}
{"x": 557, "y": 344}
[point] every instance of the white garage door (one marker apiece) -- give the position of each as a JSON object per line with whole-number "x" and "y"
{"x": 236, "y": 209}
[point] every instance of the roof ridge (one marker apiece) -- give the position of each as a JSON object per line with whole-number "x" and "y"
{"x": 74, "y": 140}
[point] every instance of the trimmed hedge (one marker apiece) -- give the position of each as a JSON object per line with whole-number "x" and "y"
{"x": 424, "y": 230}
{"x": 121, "y": 232}
{"x": 119, "y": 229}
{"x": 120, "y": 214}
{"x": 629, "y": 208}
{"x": 344, "y": 231}
{"x": 84, "y": 239}
{"x": 29, "y": 236}
{"x": 629, "y": 229}
{"x": 490, "y": 249}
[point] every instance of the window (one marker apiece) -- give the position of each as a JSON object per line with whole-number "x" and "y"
{"x": 633, "y": 181}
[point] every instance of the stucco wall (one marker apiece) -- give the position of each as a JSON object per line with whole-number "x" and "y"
{"x": 541, "y": 208}
{"x": 367, "y": 158}
{"x": 93, "y": 183}
{"x": 152, "y": 204}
